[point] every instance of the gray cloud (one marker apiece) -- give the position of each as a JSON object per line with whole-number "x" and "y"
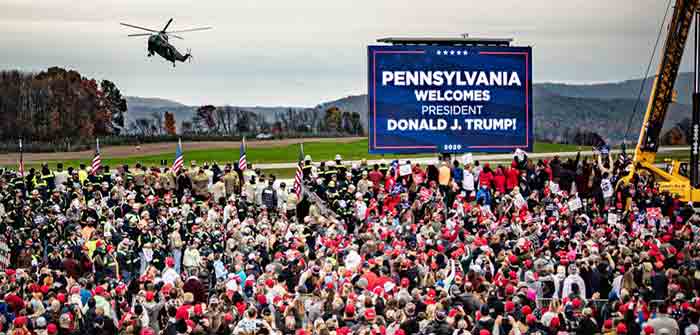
{"x": 304, "y": 52}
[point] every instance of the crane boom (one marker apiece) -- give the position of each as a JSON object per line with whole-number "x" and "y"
{"x": 673, "y": 180}
{"x": 662, "y": 90}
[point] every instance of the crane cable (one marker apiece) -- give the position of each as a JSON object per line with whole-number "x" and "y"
{"x": 646, "y": 75}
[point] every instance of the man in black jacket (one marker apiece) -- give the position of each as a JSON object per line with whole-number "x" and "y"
{"x": 588, "y": 325}
{"x": 410, "y": 326}
{"x": 439, "y": 326}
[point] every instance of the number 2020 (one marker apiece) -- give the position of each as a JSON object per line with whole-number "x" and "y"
{"x": 452, "y": 146}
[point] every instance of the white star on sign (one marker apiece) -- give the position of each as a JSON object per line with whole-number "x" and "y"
{"x": 452, "y": 52}
{"x": 459, "y": 52}
{"x": 438, "y": 52}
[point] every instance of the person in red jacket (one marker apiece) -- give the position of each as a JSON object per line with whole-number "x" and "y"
{"x": 486, "y": 176}
{"x": 375, "y": 176}
{"x": 499, "y": 180}
{"x": 548, "y": 169}
{"x": 512, "y": 175}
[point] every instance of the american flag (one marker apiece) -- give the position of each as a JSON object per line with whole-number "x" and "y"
{"x": 21, "y": 159}
{"x": 300, "y": 173}
{"x": 96, "y": 161}
{"x": 179, "y": 157}
{"x": 242, "y": 160}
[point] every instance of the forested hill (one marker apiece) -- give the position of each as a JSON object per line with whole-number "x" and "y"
{"x": 561, "y": 110}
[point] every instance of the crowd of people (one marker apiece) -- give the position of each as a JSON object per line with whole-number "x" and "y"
{"x": 456, "y": 247}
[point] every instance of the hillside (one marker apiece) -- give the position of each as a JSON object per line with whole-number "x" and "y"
{"x": 627, "y": 89}
{"x": 604, "y": 108}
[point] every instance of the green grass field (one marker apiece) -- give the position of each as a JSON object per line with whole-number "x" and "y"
{"x": 318, "y": 150}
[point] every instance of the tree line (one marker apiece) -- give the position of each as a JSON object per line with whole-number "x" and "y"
{"x": 58, "y": 104}
{"x": 233, "y": 121}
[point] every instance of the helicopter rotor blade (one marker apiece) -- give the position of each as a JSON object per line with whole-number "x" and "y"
{"x": 190, "y": 30}
{"x": 137, "y": 27}
{"x": 178, "y": 37}
{"x": 167, "y": 25}
{"x": 135, "y": 35}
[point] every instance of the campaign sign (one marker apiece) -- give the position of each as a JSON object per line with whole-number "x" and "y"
{"x": 449, "y": 99}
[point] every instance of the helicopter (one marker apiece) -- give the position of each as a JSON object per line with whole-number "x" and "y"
{"x": 158, "y": 42}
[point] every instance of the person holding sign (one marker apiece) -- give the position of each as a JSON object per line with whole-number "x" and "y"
{"x": 468, "y": 181}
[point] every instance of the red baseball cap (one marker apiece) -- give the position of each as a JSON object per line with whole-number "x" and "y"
{"x": 577, "y": 303}
{"x": 370, "y": 314}
{"x": 554, "y": 322}
{"x": 350, "y": 309}
{"x": 530, "y": 319}
{"x": 608, "y": 324}
{"x": 99, "y": 290}
{"x": 621, "y": 328}
{"x": 512, "y": 259}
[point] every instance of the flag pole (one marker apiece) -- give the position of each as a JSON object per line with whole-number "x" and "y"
{"x": 21, "y": 161}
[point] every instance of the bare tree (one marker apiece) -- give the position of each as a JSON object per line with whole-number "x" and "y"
{"x": 158, "y": 123}
{"x": 143, "y": 127}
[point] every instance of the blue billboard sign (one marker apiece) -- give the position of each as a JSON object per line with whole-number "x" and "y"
{"x": 449, "y": 99}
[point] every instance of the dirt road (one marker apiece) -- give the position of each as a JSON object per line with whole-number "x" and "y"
{"x": 160, "y": 148}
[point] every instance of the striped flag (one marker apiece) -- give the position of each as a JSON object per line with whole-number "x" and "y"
{"x": 179, "y": 157}
{"x": 242, "y": 164}
{"x": 97, "y": 160}
{"x": 298, "y": 185}
{"x": 21, "y": 159}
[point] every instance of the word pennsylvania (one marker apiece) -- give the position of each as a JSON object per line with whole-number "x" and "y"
{"x": 450, "y": 78}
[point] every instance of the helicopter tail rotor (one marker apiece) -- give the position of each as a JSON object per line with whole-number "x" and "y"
{"x": 189, "y": 55}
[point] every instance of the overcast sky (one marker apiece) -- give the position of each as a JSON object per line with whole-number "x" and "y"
{"x": 309, "y": 51}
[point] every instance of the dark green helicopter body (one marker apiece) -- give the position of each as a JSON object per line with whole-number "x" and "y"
{"x": 158, "y": 42}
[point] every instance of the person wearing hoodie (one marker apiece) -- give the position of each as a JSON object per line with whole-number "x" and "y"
{"x": 573, "y": 284}
{"x": 512, "y": 176}
{"x": 192, "y": 259}
{"x": 485, "y": 176}
{"x": 152, "y": 306}
{"x": 499, "y": 181}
